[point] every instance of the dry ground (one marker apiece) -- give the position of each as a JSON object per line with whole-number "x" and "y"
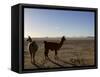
{"x": 74, "y": 52}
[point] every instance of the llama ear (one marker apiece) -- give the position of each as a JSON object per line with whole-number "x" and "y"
{"x": 29, "y": 37}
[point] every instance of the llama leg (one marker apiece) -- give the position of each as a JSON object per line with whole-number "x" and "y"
{"x": 46, "y": 54}
{"x": 56, "y": 54}
{"x": 33, "y": 58}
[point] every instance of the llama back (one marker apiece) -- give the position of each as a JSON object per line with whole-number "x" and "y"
{"x": 34, "y": 46}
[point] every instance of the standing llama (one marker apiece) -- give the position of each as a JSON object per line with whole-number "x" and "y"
{"x": 53, "y": 46}
{"x": 32, "y": 48}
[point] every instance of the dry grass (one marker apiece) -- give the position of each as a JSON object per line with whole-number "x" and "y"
{"x": 72, "y": 53}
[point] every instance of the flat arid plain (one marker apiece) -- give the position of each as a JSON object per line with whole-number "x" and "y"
{"x": 74, "y": 52}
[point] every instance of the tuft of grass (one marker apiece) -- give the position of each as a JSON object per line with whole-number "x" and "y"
{"x": 78, "y": 60}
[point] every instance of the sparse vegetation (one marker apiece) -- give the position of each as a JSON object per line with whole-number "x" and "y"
{"x": 78, "y": 52}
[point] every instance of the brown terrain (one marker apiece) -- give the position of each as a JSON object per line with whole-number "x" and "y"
{"x": 74, "y": 52}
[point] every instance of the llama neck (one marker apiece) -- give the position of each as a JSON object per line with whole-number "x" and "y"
{"x": 60, "y": 44}
{"x": 29, "y": 44}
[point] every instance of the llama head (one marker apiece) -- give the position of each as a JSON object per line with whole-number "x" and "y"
{"x": 63, "y": 38}
{"x": 29, "y": 39}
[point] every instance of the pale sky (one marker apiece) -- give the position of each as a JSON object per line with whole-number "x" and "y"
{"x": 57, "y": 23}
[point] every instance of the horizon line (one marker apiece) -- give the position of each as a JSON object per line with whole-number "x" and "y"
{"x": 62, "y": 36}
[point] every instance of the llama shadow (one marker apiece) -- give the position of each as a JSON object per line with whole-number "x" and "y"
{"x": 58, "y": 59}
{"x": 36, "y": 65}
{"x": 55, "y": 62}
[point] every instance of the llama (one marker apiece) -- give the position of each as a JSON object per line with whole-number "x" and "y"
{"x": 53, "y": 46}
{"x": 32, "y": 47}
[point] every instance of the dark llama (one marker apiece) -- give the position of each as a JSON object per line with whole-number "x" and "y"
{"x": 53, "y": 46}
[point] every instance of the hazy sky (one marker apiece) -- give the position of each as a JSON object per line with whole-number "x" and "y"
{"x": 56, "y": 23}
